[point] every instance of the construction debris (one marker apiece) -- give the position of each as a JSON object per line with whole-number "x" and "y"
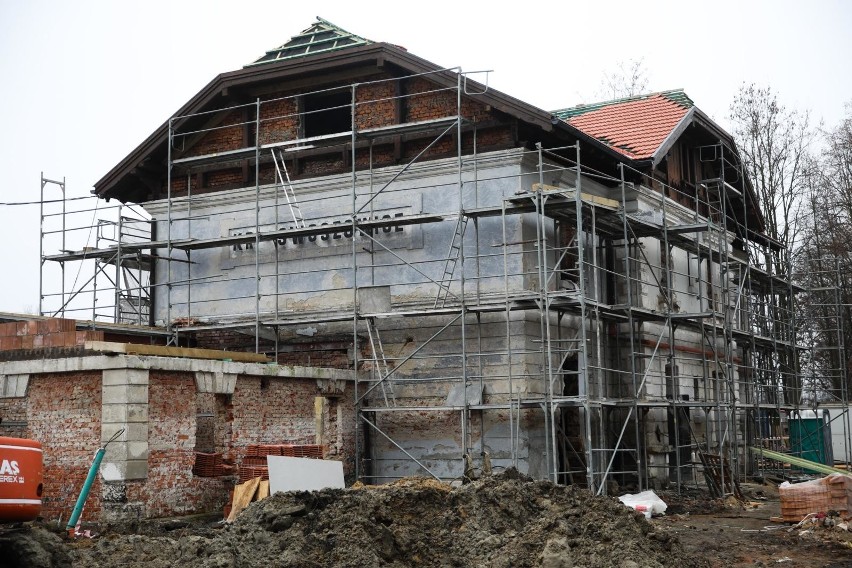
{"x": 508, "y": 520}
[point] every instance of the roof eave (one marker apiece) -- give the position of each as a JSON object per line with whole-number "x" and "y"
{"x": 673, "y": 137}
{"x": 383, "y": 52}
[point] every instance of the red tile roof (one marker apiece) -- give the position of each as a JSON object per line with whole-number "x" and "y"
{"x": 635, "y": 127}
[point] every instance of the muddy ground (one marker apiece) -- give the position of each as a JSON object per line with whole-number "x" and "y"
{"x": 732, "y": 534}
{"x": 505, "y": 521}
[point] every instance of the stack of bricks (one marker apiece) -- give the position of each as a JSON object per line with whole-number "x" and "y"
{"x": 254, "y": 463}
{"x": 39, "y": 334}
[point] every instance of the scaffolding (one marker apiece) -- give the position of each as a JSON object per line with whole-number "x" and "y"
{"x": 105, "y": 247}
{"x": 514, "y": 304}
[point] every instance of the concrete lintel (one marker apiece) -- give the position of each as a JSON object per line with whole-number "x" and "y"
{"x": 147, "y": 362}
{"x": 215, "y": 382}
{"x": 14, "y": 385}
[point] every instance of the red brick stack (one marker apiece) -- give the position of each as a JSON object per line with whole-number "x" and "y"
{"x": 207, "y": 465}
{"x": 315, "y": 451}
{"x": 40, "y": 334}
{"x": 254, "y": 463}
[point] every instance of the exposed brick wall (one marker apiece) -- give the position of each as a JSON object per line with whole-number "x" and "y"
{"x": 274, "y": 411}
{"x": 38, "y": 334}
{"x": 378, "y": 104}
{"x": 333, "y": 359}
{"x": 227, "y": 135}
{"x": 229, "y": 340}
{"x": 279, "y": 120}
{"x": 13, "y": 412}
{"x": 375, "y": 105}
{"x": 170, "y": 488}
{"x": 426, "y": 101}
{"x": 321, "y": 165}
{"x": 230, "y": 177}
{"x": 64, "y": 414}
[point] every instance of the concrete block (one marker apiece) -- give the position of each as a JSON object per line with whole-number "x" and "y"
{"x": 114, "y": 471}
{"x": 113, "y": 377}
{"x": 118, "y": 394}
{"x": 136, "y": 432}
{"x": 116, "y": 452}
{"x": 14, "y": 386}
{"x": 109, "y": 429}
{"x": 136, "y": 469}
{"x": 137, "y": 451}
{"x": 137, "y": 412}
{"x": 113, "y": 413}
{"x": 374, "y": 299}
{"x": 204, "y": 381}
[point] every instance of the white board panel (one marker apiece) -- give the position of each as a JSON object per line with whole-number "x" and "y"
{"x": 303, "y": 474}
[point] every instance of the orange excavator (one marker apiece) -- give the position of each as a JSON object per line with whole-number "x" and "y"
{"x": 20, "y": 479}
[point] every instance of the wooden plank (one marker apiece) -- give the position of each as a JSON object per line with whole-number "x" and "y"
{"x": 587, "y": 197}
{"x": 243, "y": 495}
{"x": 163, "y": 351}
{"x": 262, "y": 490}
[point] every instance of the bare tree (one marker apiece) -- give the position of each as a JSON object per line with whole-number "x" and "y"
{"x": 775, "y": 145}
{"x": 826, "y": 262}
{"x": 628, "y": 79}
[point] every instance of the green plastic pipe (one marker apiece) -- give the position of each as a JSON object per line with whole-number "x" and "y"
{"x": 90, "y": 479}
{"x": 800, "y": 462}
{"x": 87, "y": 486}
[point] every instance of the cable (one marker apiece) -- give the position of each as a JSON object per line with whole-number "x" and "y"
{"x": 9, "y": 204}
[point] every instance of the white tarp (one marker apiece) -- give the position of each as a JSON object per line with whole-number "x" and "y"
{"x": 646, "y": 502}
{"x": 303, "y": 474}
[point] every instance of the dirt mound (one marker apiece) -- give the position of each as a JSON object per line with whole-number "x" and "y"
{"x": 32, "y": 546}
{"x": 507, "y": 520}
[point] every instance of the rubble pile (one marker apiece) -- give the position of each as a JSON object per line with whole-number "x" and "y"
{"x": 508, "y": 520}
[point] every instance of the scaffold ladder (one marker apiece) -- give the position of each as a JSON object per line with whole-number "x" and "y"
{"x": 450, "y": 263}
{"x": 380, "y": 363}
{"x": 287, "y": 186}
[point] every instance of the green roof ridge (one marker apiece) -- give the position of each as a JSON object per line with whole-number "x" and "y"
{"x": 677, "y": 96}
{"x": 321, "y": 37}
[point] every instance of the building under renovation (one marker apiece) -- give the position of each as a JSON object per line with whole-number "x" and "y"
{"x": 425, "y": 275}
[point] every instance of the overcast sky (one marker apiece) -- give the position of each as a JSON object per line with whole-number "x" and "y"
{"x": 84, "y": 82}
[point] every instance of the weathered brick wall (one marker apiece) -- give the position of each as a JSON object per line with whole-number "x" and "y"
{"x": 229, "y": 340}
{"x": 281, "y": 411}
{"x": 375, "y": 105}
{"x": 227, "y": 135}
{"x": 426, "y": 101}
{"x": 63, "y": 412}
{"x": 170, "y": 488}
{"x": 378, "y": 104}
{"x": 13, "y": 412}
{"x": 279, "y": 120}
{"x": 230, "y": 177}
{"x": 331, "y": 358}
